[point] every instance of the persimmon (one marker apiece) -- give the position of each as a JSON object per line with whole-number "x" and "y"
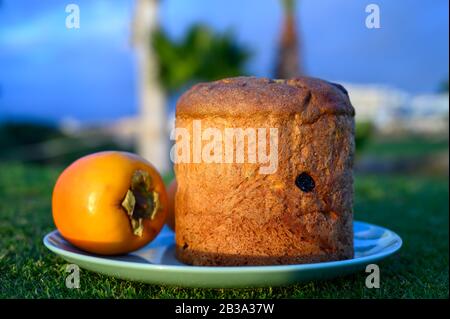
{"x": 109, "y": 203}
{"x": 171, "y": 191}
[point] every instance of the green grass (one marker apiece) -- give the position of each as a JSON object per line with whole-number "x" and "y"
{"x": 415, "y": 207}
{"x": 403, "y": 147}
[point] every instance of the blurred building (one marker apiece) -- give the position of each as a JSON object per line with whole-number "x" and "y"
{"x": 392, "y": 110}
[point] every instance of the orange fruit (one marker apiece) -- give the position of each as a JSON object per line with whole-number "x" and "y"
{"x": 109, "y": 203}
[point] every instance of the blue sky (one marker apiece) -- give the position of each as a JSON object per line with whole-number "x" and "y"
{"x": 50, "y": 72}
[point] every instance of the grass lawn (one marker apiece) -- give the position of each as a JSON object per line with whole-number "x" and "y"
{"x": 416, "y": 207}
{"x": 410, "y": 146}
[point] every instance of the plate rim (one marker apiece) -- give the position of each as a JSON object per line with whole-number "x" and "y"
{"x": 227, "y": 269}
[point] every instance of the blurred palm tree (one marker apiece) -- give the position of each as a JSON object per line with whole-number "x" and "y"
{"x": 288, "y": 55}
{"x": 166, "y": 66}
{"x": 201, "y": 55}
{"x": 151, "y": 127}
{"x": 443, "y": 87}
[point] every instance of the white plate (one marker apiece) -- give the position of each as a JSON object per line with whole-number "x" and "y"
{"x": 156, "y": 262}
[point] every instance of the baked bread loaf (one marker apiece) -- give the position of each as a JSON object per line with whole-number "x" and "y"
{"x": 235, "y": 212}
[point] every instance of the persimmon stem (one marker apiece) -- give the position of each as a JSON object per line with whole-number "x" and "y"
{"x": 141, "y": 201}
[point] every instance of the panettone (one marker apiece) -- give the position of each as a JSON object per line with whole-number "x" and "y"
{"x": 295, "y": 208}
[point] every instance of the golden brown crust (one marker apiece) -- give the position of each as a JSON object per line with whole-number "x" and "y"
{"x": 202, "y": 258}
{"x": 309, "y": 97}
{"x": 229, "y": 214}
